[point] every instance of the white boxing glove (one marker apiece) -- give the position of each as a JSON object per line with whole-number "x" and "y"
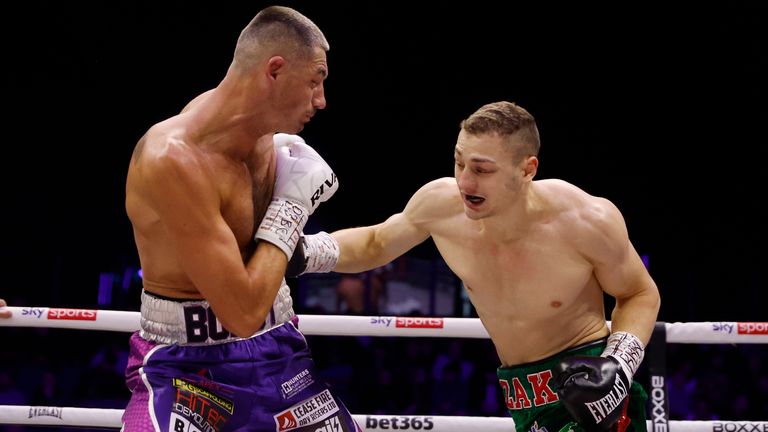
{"x": 303, "y": 181}
{"x": 315, "y": 253}
{"x": 284, "y": 140}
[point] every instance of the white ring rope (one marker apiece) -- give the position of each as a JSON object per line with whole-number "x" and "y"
{"x": 111, "y": 418}
{"x": 332, "y": 325}
{"x": 338, "y": 325}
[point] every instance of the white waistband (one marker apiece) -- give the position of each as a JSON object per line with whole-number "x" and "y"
{"x": 192, "y": 322}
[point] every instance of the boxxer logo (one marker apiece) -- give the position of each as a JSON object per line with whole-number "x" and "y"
{"x": 740, "y": 426}
{"x": 658, "y": 396}
{"x": 325, "y": 186}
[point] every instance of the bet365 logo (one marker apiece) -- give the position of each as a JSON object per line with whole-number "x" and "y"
{"x": 400, "y": 423}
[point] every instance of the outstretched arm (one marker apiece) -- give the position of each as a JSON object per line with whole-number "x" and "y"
{"x": 355, "y": 250}
{"x": 365, "y": 248}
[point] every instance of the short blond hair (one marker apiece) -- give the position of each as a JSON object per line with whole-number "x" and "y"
{"x": 506, "y": 119}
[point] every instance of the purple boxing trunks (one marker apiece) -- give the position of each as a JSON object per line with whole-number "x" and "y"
{"x": 267, "y": 382}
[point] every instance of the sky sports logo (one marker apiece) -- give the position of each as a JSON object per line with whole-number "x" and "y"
{"x": 760, "y": 328}
{"x": 72, "y": 314}
{"x": 414, "y": 322}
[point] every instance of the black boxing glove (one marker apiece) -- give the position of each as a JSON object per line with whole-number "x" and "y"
{"x": 595, "y": 390}
{"x": 314, "y": 253}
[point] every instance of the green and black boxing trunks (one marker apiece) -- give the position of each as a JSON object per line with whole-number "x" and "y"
{"x": 534, "y": 405}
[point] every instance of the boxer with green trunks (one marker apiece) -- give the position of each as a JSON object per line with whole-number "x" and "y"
{"x": 537, "y": 259}
{"x": 530, "y": 395}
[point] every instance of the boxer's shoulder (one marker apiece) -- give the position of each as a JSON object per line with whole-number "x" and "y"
{"x": 437, "y": 200}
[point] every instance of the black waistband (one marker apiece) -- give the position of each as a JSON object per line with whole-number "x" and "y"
{"x": 173, "y": 299}
{"x": 565, "y": 352}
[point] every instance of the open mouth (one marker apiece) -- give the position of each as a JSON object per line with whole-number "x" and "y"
{"x": 474, "y": 199}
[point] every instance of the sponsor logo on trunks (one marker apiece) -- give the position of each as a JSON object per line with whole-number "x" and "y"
{"x": 739, "y": 426}
{"x": 296, "y": 384}
{"x": 518, "y": 397}
{"x": 72, "y": 314}
{"x": 35, "y": 312}
{"x": 414, "y": 322}
{"x": 208, "y": 420}
{"x": 536, "y": 428}
{"x": 44, "y": 412}
{"x": 198, "y": 390}
{"x": 658, "y": 404}
{"x": 307, "y": 412}
{"x": 399, "y": 422}
{"x": 753, "y": 328}
{"x": 331, "y": 425}
{"x": 286, "y": 421}
{"x": 200, "y": 409}
{"x": 203, "y": 379}
{"x": 180, "y": 424}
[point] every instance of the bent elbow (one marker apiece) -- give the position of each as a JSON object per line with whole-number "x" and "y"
{"x": 252, "y": 318}
{"x": 247, "y": 324}
{"x": 248, "y": 310}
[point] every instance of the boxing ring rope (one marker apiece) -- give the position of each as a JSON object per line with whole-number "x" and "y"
{"x": 724, "y": 332}
{"x": 110, "y": 418}
{"x": 332, "y": 325}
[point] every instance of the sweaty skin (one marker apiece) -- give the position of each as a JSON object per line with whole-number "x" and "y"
{"x": 199, "y": 184}
{"x": 534, "y": 256}
{"x": 242, "y": 190}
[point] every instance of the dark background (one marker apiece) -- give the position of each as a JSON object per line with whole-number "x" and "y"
{"x": 659, "y": 109}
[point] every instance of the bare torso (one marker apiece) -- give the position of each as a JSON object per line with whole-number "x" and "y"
{"x": 244, "y": 188}
{"x": 535, "y": 294}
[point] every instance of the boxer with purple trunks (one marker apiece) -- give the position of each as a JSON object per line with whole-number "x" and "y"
{"x": 217, "y": 201}
{"x": 189, "y": 374}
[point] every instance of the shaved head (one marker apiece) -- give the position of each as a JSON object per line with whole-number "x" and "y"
{"x": 277, "y": 30}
